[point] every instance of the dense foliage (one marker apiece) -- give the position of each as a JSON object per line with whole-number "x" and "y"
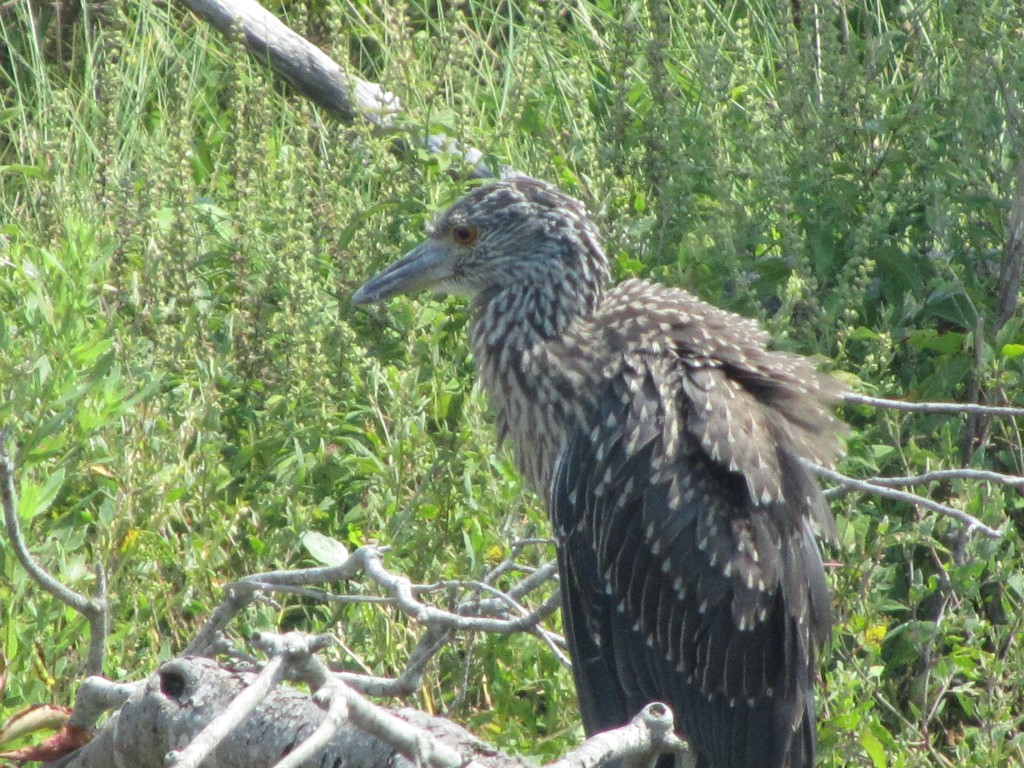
{"x": 191, "y": 392}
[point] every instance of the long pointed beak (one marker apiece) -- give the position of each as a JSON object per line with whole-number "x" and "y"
{"x": 425, "y": 266}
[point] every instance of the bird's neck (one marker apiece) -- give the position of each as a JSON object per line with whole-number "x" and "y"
{"x": 518, "y": 339}
{"x": 521, "y": 316}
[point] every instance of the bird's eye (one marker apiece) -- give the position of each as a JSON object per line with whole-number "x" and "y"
{"x": 464, "y": 234}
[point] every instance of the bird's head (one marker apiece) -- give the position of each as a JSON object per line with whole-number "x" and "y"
{"x": 516, "y": 233}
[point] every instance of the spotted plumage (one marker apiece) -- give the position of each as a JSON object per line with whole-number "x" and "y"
{"x": 667, "y": 440}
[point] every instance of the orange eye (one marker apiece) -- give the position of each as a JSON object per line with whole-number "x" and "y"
{"x": 464, "y": 234}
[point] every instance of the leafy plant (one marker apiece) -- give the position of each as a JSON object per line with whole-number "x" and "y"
{"x": 192, "y": 393}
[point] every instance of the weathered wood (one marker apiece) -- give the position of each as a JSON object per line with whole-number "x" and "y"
{"x": 316, "y": 75}
{"x": 179, "y": 700}
{"x": 311, "y": 71}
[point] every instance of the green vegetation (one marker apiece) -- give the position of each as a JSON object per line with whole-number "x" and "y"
{"x": 191, "y": 391}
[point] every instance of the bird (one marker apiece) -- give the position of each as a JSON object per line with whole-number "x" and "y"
{"x": 671, "y": 446}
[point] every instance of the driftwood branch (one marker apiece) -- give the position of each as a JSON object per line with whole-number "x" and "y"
{"x": 409, "y": 741}
{"x": 887, "y": 487}
{"x": 192, "y": 712}
{"x": 258, "y": 725}
{"x": 308, "y": 69}
{"x": 317, "y": 76}
{"x": 648, "y": 735}
{"x": 504, "y": 613}
{"x": 185, "y": 696}
{"x": 205, "y": 726}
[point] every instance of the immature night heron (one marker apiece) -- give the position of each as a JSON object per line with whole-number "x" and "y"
{"x": 668, "y": 443}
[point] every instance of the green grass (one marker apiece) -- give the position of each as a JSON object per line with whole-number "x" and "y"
{"x": 191, "y": 391}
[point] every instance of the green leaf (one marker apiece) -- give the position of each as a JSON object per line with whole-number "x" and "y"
{"x": 36, "y": 499}
{"x": 324, "y": 549}
{"x": 862, "y": 333}
{"x": 88, "y": 351}
{"x": 943, "y": 343}
{"x": 1010, "y": 351}
{"x": 29, "y": 171}
{"x": 874, "y": 748}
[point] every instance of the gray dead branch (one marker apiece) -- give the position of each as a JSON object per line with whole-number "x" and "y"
{"x": 182, "y": 698}
{"x": 318, "y": 77}
{"x": 177, "y": 718}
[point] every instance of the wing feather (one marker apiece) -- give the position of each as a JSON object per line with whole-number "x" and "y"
{"x": 689, "y": 570}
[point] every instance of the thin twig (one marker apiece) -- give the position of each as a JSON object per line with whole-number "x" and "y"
{"x": 849, "y": 483}
{"x": 902, "y": 405}
{"x": 241, "y": 593}
{"x": 93, "y": 609}
{"x": 408, "y": 682}
{"x": 401, "y": 589}
{"x": 473, "y": 615}
{"x": 417, "y": 745}
{"x": 944, "y": 475}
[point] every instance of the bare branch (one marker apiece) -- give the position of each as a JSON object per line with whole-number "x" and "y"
{"x": 415, "y": 744}
{"x": 311, "y": 71}
{"x": 903, "y": 405}
{"x": 471, "y": 614}
{"x": 402, "y": 590}
{"x": 235, "y": 602}
{"x": 318, "y": 77}
{"x": 240, "y": 594}
{"x": 408, "y": 682}
{"x": 542, "y": 575}
{"x": 403, "y": 593}
{"x": 649, "y": 734}
{"x": 95, "y": 610}
{"x": 337, "y": 712}
{"x": 516, "y": 549}
{"x": 97, "y": 696}
{"x": 849, "y": 483}
{"x": 178, "y": 702}
{"x": 945, "y": 475}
